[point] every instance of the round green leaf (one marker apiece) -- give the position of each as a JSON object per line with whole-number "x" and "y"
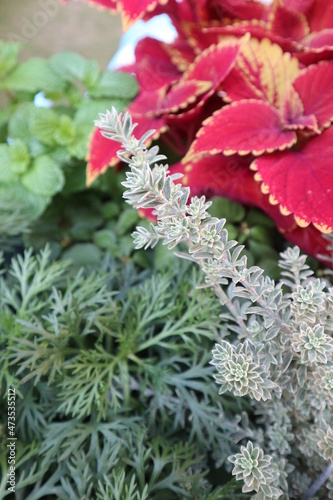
{"x": 105, "y": 238}
{"x": 73, "y": 67}
{"x": 19, "y": 122}
{"x": 65, "y": 132}
{"x": 127, "y": 221}
{"x": 222, "y": 207}
{"x": 20, "y": 156}
{"x": 25, "y": 201}
{"x": 115, "y": 84}
{"x": 7, "y": 173}
{"x": 44, "y": 177}
{"x": 33, "y": 75}
{"x": 8, "y": 55}
{"x": 83, "y": 254}
{"x": 44, "y": 124}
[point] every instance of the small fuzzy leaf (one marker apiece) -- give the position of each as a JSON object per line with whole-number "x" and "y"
{"x": 127, "y": 220}
{"x": 31, "y": 204}
{"x": 19, "y": 156}
{"x": 65, "y": 132}
{"x": 73, "y": 67}
{"x": 7, "y": 173}
{"x": 222, "y": 207}
{"x": 44, "y": 177}
{"x": 8, "y": 55}
{"x": 83, "y": 254}
{"x": 33, "y": 75}
{"x": 44, "y": 123}
{"x": 116, "y": 84}
{"x": 19, "y": 122}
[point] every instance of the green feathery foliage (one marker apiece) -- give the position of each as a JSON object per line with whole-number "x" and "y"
{"x": 115, "y": 395}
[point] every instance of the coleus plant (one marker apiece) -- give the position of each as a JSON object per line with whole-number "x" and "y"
{"x": 244, "y": 97}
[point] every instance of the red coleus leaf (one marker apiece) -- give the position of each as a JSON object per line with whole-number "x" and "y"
{"x": 317, "y": 47}
{"x": 109, "y": 4}
{"x": 293, "y": 115}
{"x": 237, "y": 87}
{"x": 153, "y": 67}
{"x": 319, "y": 40}
{"x": 248, "y": 126}
{"x": 223, "y": 176}
{"x": 242, "y": 9}
{"x": 257, "y": 29}
{"x": 289, "y": 24}
{"x": 297, "y": 5}
{"x": 320, "y": 15}
{"x": 231, "y": 177}
{"x": 314, "y": 86}
{"x": 264, "y": 70}
{"x": 180, "y": 53}
{"x": 103, "y": 152}
{"x": 164, "y": 101}
{"x": 301, "y": 181}
{"x": 133, "y": 10}
{"x": 215, "y": 63}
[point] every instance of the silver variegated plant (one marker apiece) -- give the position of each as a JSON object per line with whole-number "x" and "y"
{"x": 281, "y": 352}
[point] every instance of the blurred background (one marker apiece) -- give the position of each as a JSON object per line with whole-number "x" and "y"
{"x": 49, "y": 26}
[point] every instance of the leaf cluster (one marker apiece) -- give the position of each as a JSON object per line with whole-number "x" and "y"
{"x": 45, "y": 124}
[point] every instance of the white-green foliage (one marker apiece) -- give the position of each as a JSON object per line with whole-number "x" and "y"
{"x": 277, "y": 339}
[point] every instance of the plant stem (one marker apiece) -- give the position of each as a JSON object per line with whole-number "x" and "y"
{"x": 318, "y": 482}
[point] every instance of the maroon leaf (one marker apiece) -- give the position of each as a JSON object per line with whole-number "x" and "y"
{"x": 248, "y": 126}
{"x": 314, "y": 86}
{"x": 302, "y": 181}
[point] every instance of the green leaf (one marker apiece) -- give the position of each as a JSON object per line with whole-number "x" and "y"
{"x": 44, "y": 124}
{"x": 261, "y": 234}
{"x": 115, "y": 84}
{"x": 222, "y": 207}
{"x": 7, "y": 173}
{"x": 110, "y": 210}
{"x": 72, "y": 67}
{"x": 75, "y": 176}
{"x": 83, "y": 254}
{"x": 105, "y": 238}
{"x": 65, "y": 132}
{"x": 19, "y": 123}
{"x": 8, "y": 55}
{"x": 127, "y": 221}
{"x": 20, "y": 156}
{"x": 257, "y": 217}
{"x": 33, "y": 75}
{"x": 44, "y": 177}
{"x": 31, "y": 204}
{"x": 90, "y": 109}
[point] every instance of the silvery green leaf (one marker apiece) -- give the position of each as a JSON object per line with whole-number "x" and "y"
{"x": 146, "y": 136}
{"x": 184, "y": 197}
{"x": 167, "y": 188}
{"x": 157, "y": 158}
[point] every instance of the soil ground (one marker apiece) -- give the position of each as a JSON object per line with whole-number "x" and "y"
{"x": 49, "y": 26}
